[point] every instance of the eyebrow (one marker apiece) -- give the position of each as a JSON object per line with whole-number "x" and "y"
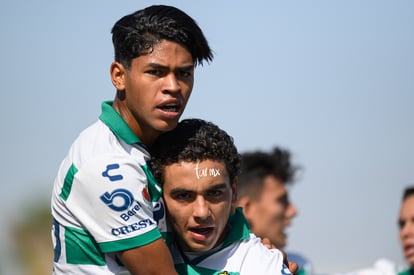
{"x": 179, "y": 189}
{"x": 218, "y": 186}
{"x": 160, "y": 66}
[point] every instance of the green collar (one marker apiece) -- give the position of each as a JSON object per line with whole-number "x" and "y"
{"x": 117, "y": 124}
{"x": 239, "y": 228}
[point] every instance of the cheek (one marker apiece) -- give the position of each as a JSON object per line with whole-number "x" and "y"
{"x": 176, "y": 212}
{"x": 177, "y": 218}
{"x": 272, "y": 212}
{"x": 223, "y": 212}
{"x": 187, "y": 93}
{"x": 187, "y": 87}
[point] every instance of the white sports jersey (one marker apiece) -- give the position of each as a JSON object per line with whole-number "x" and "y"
{"x": 104, "y": 199}
{"x": 242, "y": 253}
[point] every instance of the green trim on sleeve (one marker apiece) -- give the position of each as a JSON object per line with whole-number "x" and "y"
{"x": 154, "y": 188}
{"x": 67, "y": 184}
{"x": 81, "y": 248}
{"x": 137, "y": 241}
{"x": 117, "y": 124}
{"x": 405, "y": 272}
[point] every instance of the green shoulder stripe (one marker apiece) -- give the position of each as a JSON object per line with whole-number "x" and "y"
{"x": 154, "y": 188}
{"x": 67, "y": 184}
{"x": 81, "y": 248}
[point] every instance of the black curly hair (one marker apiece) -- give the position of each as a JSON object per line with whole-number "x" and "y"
{"x": 136, "y": 34}
{"x": 194, "y": 140}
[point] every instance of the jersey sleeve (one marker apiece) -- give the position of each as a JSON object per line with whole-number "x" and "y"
{"x": 261, "y": 260}
{"x": 108, "y": 196}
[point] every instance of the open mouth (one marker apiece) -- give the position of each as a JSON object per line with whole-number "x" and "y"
{"x": 408, "y": 250}
{"x": 203, "y": 232}
{"x": 171, "y": 106}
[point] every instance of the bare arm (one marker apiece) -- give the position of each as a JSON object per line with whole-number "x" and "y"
{"x": 151, "y": 259}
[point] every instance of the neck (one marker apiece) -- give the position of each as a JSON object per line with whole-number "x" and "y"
{"x": 147, "y": 136}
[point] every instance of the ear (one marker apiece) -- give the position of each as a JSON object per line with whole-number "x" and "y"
{"x": 247, "y": 205}
{"x": 117, "y": 72}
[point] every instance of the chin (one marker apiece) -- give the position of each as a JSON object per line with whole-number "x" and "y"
{"x": 168, "y": 126}
{"x": 201, "y": 248}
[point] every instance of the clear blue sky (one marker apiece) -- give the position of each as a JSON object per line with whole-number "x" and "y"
{"x": 333, "y": 81}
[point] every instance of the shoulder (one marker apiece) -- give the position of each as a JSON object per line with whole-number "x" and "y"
{"x": 98, "y": 143}
{"x": 254, "y": 246}
{"x": 258, "y": 259}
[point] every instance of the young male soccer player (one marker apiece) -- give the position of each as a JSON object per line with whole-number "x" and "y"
{"x": 103, "y": 197}
{"x": 197, "y": 165}
{"x": 264, "y": 197}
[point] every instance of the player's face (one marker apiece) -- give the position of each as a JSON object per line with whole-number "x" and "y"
{"x": 272, "y": 213}
{"x": 156, "y": 88}
{"x": 406, "y": 223}
{"x": 198, "y": 197}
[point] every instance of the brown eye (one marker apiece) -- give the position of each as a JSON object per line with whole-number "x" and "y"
{"x": 401, "y": 224}
{"x": 185, "y": 74}
{"x": 215, "y": 193}
{"x": 284, "y": 201}
{"x": 155, "y": 72}
{"x": 182, "y": 196}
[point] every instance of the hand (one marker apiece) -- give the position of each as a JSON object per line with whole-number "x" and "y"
{"x": 293, "y": 267}
{"x": 266, "y": 242}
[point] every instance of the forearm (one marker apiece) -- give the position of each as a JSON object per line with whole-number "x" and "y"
{"x": 150, "y": 259}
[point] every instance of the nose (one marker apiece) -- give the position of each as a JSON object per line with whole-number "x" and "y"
{"x": 201, "y": 209}
{"x": 171, "y": 83}
{"x": 407, "y": 230}
{"x": 291, "y": 211}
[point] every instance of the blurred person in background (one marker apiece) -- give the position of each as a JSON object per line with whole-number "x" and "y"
{"x": 406, "y": 233}
{"x": 406, "y": 227}
{"x": 263, "y": 195}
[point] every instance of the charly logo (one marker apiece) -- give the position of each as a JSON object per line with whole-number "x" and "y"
{"x": 118, "y": 200}
{"x": 110, "y": 167}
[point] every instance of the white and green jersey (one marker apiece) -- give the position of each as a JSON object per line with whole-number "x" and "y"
{"x": 242, "y": 253}
{"x": 406, "y": 272}
{"x": 104, "y": 199}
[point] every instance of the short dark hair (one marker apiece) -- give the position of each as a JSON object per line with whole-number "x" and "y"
{"x": 194, "y": 140}
{"x": 257, "y": 165}
{"x": 408, "y": 192}
{"x": 135, "y": 34}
